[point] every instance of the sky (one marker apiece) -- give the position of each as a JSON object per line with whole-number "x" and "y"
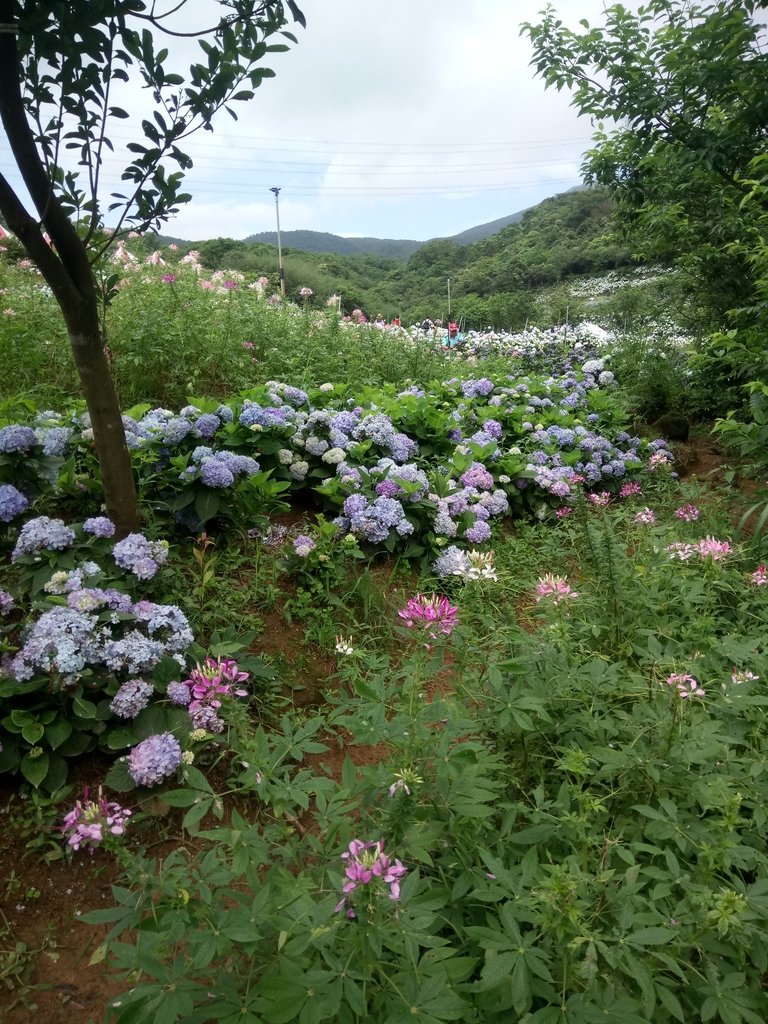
{"x": 390, "y": 119}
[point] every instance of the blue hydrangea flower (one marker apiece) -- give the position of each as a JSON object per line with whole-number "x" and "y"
{"x": 17, "y": 438}
{"x": 214, "y": 473}
{"x": 42, "y": 534}
{"x": 99, "y": 526}
{"x": 154, "y": 759}
{"x": 207, "y": 425}
{"x": 55, "y": 440}
{"x": 12, "y": 503}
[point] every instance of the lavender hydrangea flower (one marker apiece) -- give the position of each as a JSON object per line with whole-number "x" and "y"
{"x": 140, "y": 556}
{"x": 215, "y": 474}
{"x": 154, "y": 759}
{"x": 179, "y": 693}
{"x": 303, "y": 545}
{"x": 131, "y": 698}
{"x": 6, "y": 602}
{"x": 206, "y": 425}
{"x": 99, "y": 526}
{"x": 12, "y": 503}
{"x": 42, "y": 534}
{"x": 17, "y": 438}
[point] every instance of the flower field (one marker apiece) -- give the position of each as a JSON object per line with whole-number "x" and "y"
{"x": 432, "y": 689}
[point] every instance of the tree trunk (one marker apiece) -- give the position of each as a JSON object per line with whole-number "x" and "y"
{"x": 107, "y": 423}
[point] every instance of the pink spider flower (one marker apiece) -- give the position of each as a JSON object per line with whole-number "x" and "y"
{"x": 369, "y": 865}
{"x": 688, "y": 513}
{"x": 646, "y": 517}
{"x": 556, "y": 587}
{"x": 686, "y": 685}
{"x": 89, "y": 821}
{"x": 436, "y": 614}
{"x": 759, "y": 577}
{"x": 715, "y": 549}
{"x": 681, "y": 551}
{"x": 599, "y": 500}
{"x": 745, "y": 676}
{"x": 630, "y": 489}
{"x": 563, "y": 511}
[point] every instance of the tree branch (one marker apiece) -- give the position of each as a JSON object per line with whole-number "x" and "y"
{"x": 27, "y": 230}
{"x": 22, "y": 142}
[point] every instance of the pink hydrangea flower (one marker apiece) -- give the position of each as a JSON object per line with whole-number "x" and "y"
{"x": 436, "y": 614}
{"x": 555, "y": 587}
{"x": 686, "y": 685}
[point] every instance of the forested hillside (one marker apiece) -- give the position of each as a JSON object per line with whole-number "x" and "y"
{"x": 491, "y": 280}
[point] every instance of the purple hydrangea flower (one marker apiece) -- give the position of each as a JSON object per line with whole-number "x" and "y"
{"x": 214, "y": 473}
{"x": 99, "y": 526}
{"x": 6, "y": 602}
{"x": 179, "y": 693}
{"x": 206, "y": 425}
{"x": 42, "y": 534}
{"x": 12, "y": 502}
{"x": 303, "y": 545}
{"x": 154, "y": 759}
{"x": 140, "y": 556}
{"x": 131, "y": 698}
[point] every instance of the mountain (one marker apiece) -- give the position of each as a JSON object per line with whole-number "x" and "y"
{"x": 323, "y": 241}
{"x": 392, "y": 248}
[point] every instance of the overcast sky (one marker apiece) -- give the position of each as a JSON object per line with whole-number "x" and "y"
{"x": 390, "y": 118}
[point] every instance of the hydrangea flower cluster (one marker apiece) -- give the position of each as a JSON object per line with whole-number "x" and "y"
{"x": 66, "y": 640}
{"x": 42, "y": 534}
{"x": 17, "y": 438}
{"x": 368, "y": 865}
{"x": 218, "y": 469}
{"x": 63, "y": 582}
{"x": 12, "y": 502}
{"x": 91, "y": 821}
{"x": 131, "y": 698}
{"x": 303, "y": 545}
{"x": 7, "y": 603}
{"x": 154, "y": 759}
{"x": 140, "y": 556}
{"x": 435, "y": 614}
{"x": 99, "y": 526}
{"x": 373, "y": 520}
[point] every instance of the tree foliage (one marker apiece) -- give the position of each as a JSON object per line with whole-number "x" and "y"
{"x": 684, "y": 86}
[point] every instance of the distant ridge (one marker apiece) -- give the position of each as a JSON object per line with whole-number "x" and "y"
{"x": 323, "y": 241}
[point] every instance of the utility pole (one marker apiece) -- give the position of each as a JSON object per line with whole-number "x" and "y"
{"x": 449, "y": 298}
{"x": 281, "y": 268}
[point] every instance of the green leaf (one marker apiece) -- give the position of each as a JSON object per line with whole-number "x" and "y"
{"x": 34, "y": 769}
{"x": 651, "y": 936}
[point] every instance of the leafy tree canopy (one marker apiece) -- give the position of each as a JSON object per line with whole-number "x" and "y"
{"x": 684, "y": 85}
